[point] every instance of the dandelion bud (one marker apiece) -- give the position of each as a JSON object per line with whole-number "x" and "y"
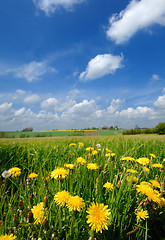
{"x": 15, "y": 220}
{"x": 106, "y": 165}
{"x": 10, "y": 230}
{"x": 119, "y": 183}
{"x": 45, "y": 224}
{"x": 45, "y": 181}
{"x": 99, "y": 167}
{"x": 30, "y": 198}
{"x": 45, "y": 202}
{"x": 30, "y": 217}
{"x": 156, "y": 177}
{"x": 162, "y": 183}
{"x": 20, "y": 203}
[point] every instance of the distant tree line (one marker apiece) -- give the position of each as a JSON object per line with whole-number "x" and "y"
{"x": 159, "y": 129}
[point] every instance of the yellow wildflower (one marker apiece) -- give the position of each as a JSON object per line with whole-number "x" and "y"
{"x": 81, "y": 160}
{"x": 143, "y": 161}
{"x": 7, "y": 237}
{"x": 81, "y": 144}
{"x": 98, "y": 217}
{"x": 72, "y": 144}
{"x": 92, "y": 166}
{"x": 59, "y": 173}
{"x": 131, "y": 171}
{"x": 155, "y": 183}
{"x": 70, "y": 166}
{"x": 108, "y": 186}
{"x": 38, "y": 212}
{"x": 157, "y": 165}
{"x": 33, "y": 175}
{"x": 131, "y": 178}
{"x": 152, "y": 155}
{"x": 61, "y": 198}
{"x": 143, "y": 214}
{"x": 15, "y": 171}
{"x": 94, "y": 152}
{"x": 108, "y": 150}
{"x": 128, "y": 158}
{"x": 146, "y": 169}
{"x": 75, "y": 203}
{"x": 89, "y": 149}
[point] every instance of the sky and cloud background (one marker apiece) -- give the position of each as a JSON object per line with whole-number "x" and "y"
{"x": 73, "y": 64}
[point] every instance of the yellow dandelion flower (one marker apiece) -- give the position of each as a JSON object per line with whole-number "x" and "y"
{"x": 157, "y": 165}
{"x": 143, "y": 188}
{"x": 94, "y": 152}
{"x": 143, "y": 161}
{"x": 128, "y": 158}
{"x": 92, "y": 166}
{"x": 107, "y": 154}
{"x": 154, "y": 196}
{"x": 81, "y": 144}
{"x": 113, "y": 154}
{"x": 163, "y": 159}
{"x": 108, "y": 186}
{"x": 7, "y": 237}
{"x": 155, "y": 183}
{"x": 89, "y": 149}
{"x": 146, "y": 169}
{"x": 59, "y": 173}
{"x": 108, "y": 150}
{"x": 70, "y": 166}
{"x": 98, "y": 217}
{"x": 75, "y": 203}
{"x": 33, "y": 175}
{"x": 38, "y": 213}
{"x": 143, "y": 214}
{"x": 152, "y": 155}
{"x": 72, "y": 144}
{"x": 81, "y": 160}
{"x": 131, "y": 171}
{"x": 15, "y": 171}
{"x": 131, "y": 178}
{"x": 61, "y": 198}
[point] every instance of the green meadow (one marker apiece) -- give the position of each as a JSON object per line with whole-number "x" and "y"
{"x": 96, "y": 187}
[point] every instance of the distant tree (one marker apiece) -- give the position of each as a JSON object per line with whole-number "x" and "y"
{"x": 160, "y": 128}
{"x": 30, "y": 129}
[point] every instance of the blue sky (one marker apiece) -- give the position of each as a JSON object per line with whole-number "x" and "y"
{"x": 72, "y": 64}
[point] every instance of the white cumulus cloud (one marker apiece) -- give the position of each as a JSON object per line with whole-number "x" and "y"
{"x": 160, "y": 102}
{"x": 50, "y": 6}
{"x": 33, "y": 98}
{"x": 100, "y": 66}
{"x": 138, "y": 15}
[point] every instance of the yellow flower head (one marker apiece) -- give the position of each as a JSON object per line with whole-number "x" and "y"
{"x": 143, "y": 161}
{"x": 89, "y": 149}
{"x": 94, "y": 152}
{"x": 38, "y": 213}
{"x": 72, "y": 144}
{"x": 152, "y": 155}
{"x": 108, "y": 186}
{"x": 61, "y": 198}
{"x": 81, "y": 160}
{"x": 59, "y": 173}
{"x": 146, "y": 169}
{"x": 107, "y": 154}
{"x": 131, "y": 171}
{"x": 92, "y": 166}
{"x": 143, "y": 214}
{"x": 113, "y": 154}
{"x": 157, "y": 165}
{"x": 155, "y": 183}
{"x": 81, "y": 144}
{"x": 33, "y": 175}
{"x": 15, "y": 171}
{"x": 70, "y": 166}
{"x": 131, "y": 178}
{"x": 75, "y": 203}
{"x": 144, "y": 187}
{"x": 128, "y": 158}
{"x": 108, "y": 150}
{"x": 98, "y": 217}
{"x": 7, "y": 237}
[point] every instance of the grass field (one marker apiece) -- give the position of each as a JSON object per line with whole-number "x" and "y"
{"x": 100, "y": 187}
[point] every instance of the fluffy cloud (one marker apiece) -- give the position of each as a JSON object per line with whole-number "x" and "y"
{"x": 100, "y": 66}
{"x": 160, "y": 102}
{"x": 86, "y": 113}
{"x": 50, "y": 6}
{"x": 138, "y": 15}
{"x": 32, "y": 71}
{"x": 33, "y": 98}
{"x": 155, "y": 77}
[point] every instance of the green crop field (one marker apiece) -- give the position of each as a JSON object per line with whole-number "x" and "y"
{"x": 101, "y": 187}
